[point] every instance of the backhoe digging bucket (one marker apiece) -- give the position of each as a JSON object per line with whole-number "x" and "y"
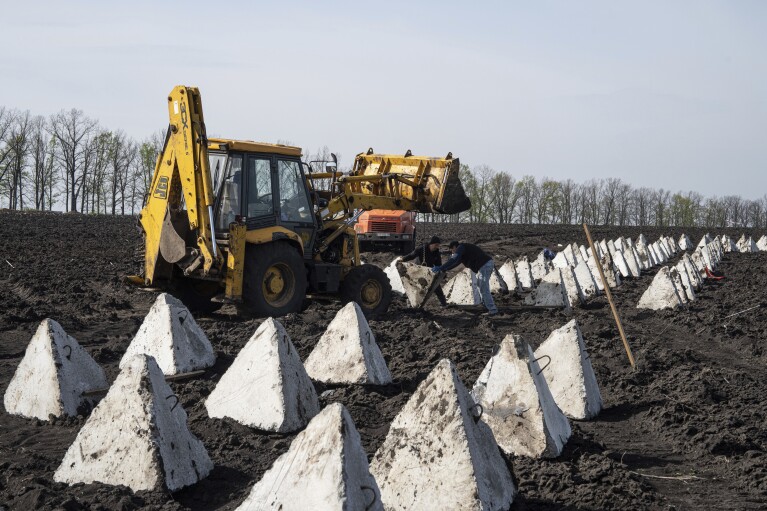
{"x": 172, "y": 244}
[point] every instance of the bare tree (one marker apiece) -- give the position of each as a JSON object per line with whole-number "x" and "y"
{"x": 71, "y": 130}
{"x": 19, "y": 142}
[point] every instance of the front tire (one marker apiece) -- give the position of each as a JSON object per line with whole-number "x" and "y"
{"x": 274, "y": 281}
{"x": 369, "y": 286}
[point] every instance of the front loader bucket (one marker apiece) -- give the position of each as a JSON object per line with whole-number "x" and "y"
{"x": 432, "y": 184}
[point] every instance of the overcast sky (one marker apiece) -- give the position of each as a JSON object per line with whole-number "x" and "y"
{"x": 667, "y": 94}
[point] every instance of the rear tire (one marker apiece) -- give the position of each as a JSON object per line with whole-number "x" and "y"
{"x": 196, "y": 294}
{"x": 369, "y": 286}
{"x": 274, "y": 280}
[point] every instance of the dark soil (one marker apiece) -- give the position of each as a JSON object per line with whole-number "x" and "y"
{"x": 685, "y": 429}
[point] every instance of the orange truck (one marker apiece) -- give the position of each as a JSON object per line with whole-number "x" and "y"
{"x": 382, "y": 229}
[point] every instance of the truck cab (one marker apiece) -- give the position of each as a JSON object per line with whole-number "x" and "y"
{"x": 381, "y": 229}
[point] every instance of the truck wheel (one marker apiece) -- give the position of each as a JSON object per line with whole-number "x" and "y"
{"x": 274, "y": 280}
{"x": 369, "y": 286}
{"x": 196, "y": 294}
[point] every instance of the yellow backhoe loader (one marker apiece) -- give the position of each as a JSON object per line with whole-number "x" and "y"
{"x": 250, "y": 223}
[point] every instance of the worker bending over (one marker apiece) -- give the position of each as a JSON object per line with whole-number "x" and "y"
{"x": 429, "y": 255}
{"x": 477, "y": 261}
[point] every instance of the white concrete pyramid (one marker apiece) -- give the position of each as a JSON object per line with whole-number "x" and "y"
{"x": 517, "y": 404}
{"x": 692, "y": 271}
{"x": 685, "y": 243}
{"x": 416, "y": 280}
{"x": 524, "y": 273}
{"x": 170, "y": 334}
{"x": 652, "y": 255}
{"x": 664, "y": 243}
{"x": 266, "y": 387}
{"x": 643, "y": 255}
{"x": 560, "y": 260}
{"x": 325, "y": 469}
{"x": 52, "y": 376}
{"x": 762, "y": 244}
{"x": 462, "y": 289}
{"x": 584, "y": 252}
{"x": 550, "y": 291}
{"x": 394, "y": 279}
{"x": 620, "y": 264}
{"x": 571, "y": 255}
{"x": 699, "y": 262}
{"x": 497, "y": 282}
{"x": 540, "y": 267}
{"x": 438, "y": 455}
{"x": 569, "y": 373}
{"x": 746, "y": 245}
{"x": 574, "y": 293}
{"x": 509, "y": 274}
{"x": 705, "y": 240}
{"x": 727, "y": 244}
{"x": 673, "y": 271}
{"x": 634, "y": 268}
{"x": 347, "y": 352}
{"x": 592, "y": 264}
{"x": 662, "y": 293}
{"x": 137, "y": 436}
{"x": 603, "y": 248}
{"x": 687, "y": 281}
{"x": 662, "y": 250}
{"x": 585, "y": 280}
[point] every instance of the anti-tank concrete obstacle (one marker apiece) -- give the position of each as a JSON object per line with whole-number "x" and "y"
{"x": 266, "y": 387}
{"x": 325, "y": 468}
{"x": 439, "y": 454}
{"x": 517, "y": 403}
{"x": 394, "y": 279}
{"x": 416, "y": 280}
{"x": 52, "y": 376}
{"x": 347, "y": 352}
{"x": 569, "y": 374}
{"x": 551, "y": 291}
{"x": 762, "y": 244}
{"x": 170, "y": 334}
{"x": 462, "y": 289}
{"x": 662, "y": 292}
{"x": 137, "y": 436}
{"x": 524, "y": 273}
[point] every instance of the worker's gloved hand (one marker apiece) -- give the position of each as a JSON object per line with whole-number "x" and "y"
{"x": 436, "y": 269}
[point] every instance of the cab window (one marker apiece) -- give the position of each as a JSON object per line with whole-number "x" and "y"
{"x": 294, "y": 203}
{"x": 260, "y": 202}
{"x": 229, "y": 202}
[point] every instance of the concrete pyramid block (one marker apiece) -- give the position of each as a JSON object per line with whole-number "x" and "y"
{"x": 594, "y": 270}
{"x": 642, "y": 253}
{"x": 746, "y": 245}
{"x": 613, "y": 278}
{"x": 524, "y": 273}
{"x": 560, "y": 260}
{"x": 571, "y": 254}
{"x": 574, "y": 292}
{"x": 633, "y": 265}
{"x": 497, "y": 283}
{"x": 540, "y": 267}
{"x": 685, "y": 243}
{"x": 585, "y": 253}
{"x": 662, "y": 293}
{"x": 517, "y": 403}
{"x": 170, "y": 334}
{"x": 347, "y": 352}
{"x": 706, "y": 253}
{"x": 137, "y": 436}
{"x": 679, "y": 284}
{"x": 508, "y": 272}
{"x": 652, "y": 255}
{"x": 266, "y": 387}
{"x": 727, "y": 244}
{"x": 52, "y": 376}
{"x": 462, "y": 289}
{"x": 699, "y": 262}
{"x": 664, "y": 242}
{"x": 394, "y": 279}
{"x": 762, "y": 244}
{"x": 569, "y": 374}
{"x": 603, "y": 248}
{"x": 550, "y": 292}
{"x": 439, "y": 455}
{"x": 686, "y": 280}
{"x": 585, "y": 280}
{"x": 665, "y": 253}
{"x": 416, "y": 280}
{"x": 674, "y": 245}
{"x": 325, "y": 468}
{"x": 692, "y": 271}
{"x": 705, "y": 240}
{"x": 621, "y": 265}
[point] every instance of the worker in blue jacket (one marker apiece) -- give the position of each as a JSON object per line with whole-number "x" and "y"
{"x": 478, "y": 262}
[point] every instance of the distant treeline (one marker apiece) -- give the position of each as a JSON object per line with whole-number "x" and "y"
{"x": 69, "y": 161}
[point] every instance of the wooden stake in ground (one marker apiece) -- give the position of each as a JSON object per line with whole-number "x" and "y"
{"x": 609, "y": 295}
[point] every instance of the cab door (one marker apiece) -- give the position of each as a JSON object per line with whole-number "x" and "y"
{"x": 294, "y": 210}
